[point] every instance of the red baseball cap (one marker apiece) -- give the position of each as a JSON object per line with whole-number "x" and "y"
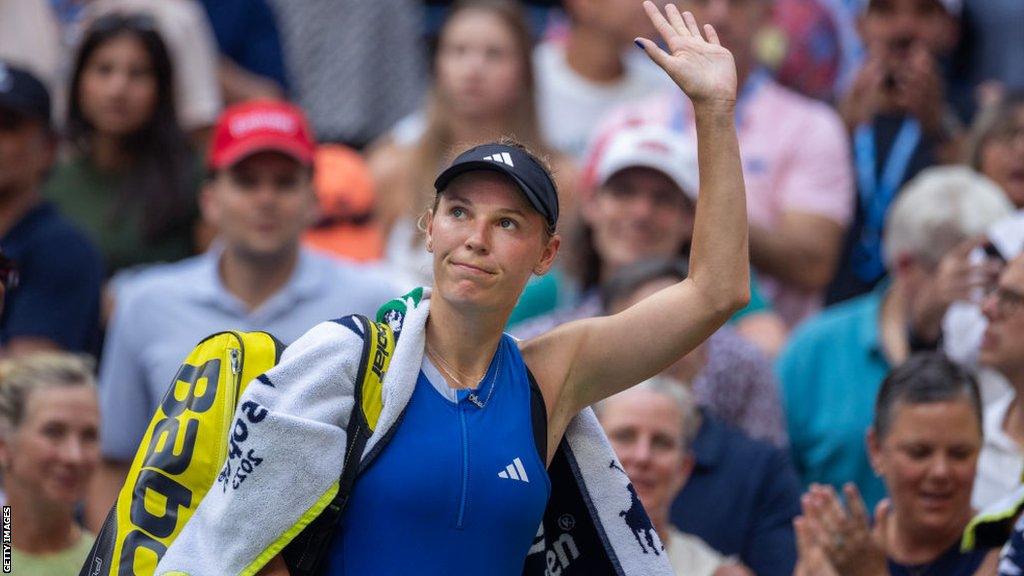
{"x": 245, "y": 129}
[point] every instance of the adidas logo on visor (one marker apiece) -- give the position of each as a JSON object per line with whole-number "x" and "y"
{"x": 515, "y": 470}
{"x": 503, "y": 158}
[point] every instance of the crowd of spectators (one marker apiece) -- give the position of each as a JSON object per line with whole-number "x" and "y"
{"x": 174, "y": 168}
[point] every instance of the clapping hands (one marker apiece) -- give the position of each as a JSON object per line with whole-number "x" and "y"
{"x": 837, "y": 540}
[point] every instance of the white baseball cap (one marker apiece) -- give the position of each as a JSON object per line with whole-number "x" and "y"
{"x": 1007, "y": 236}
{"x": 655, "y": 147}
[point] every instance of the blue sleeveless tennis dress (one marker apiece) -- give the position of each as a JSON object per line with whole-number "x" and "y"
{"x": 459, "y": 489}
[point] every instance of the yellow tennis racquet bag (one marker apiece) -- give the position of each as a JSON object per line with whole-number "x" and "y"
{"x": 187, "y": 442}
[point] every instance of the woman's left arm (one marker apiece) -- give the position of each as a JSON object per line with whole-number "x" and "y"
{"x": 592, "y": 359}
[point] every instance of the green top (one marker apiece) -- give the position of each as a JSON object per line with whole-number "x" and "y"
{"x": 542, "y": 295}
{"x": 65, "y": 563}
{"x": 89, "y": 197}
{"x": 758, "y": 303}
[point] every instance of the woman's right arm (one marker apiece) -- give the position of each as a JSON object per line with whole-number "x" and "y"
{"x": 583, "y": 362}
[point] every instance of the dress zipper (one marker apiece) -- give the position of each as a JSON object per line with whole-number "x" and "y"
{"x": 465, "y": 467}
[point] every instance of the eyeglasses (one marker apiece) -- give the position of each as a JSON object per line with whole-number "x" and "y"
{"x": 8, "y": 272}
{"x": 1007, "y": 302}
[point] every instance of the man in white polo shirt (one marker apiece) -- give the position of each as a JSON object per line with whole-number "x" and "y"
{"x": 259, "y": 197}
{"x": 1001, "y": 462}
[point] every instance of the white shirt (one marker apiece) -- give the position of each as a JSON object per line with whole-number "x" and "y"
{"x": 964, "y": 325}
{"x": 1001, "y": 461}
{"x": 690, "y": 556}
{"x": 569, "y": 106}
{"x": 406, "y": 255}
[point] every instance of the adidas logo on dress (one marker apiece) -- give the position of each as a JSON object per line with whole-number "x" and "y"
{"x": 502, "y": 157}
{"x": 514, "y": 471}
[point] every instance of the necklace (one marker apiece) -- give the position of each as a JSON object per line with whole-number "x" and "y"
{"x": 447, "y": 370}
{"x": 450, "y": 371}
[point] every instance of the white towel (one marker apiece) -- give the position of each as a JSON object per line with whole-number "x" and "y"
{"x": 293, "y": 421}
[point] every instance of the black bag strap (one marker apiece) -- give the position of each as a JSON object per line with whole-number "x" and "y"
{"x": 538, "y": 417}
{"x": 306, "y": 554}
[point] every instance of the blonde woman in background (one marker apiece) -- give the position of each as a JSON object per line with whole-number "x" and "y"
{"x": 996, "y": 146}
{"x": 49, "y": 425}
{"x": 483, "y": 90}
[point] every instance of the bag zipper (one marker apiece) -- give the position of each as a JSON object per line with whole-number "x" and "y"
{"x": 235, "y": 356}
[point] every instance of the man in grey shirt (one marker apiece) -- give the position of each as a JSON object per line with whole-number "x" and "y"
{"x": 259, "y": 197}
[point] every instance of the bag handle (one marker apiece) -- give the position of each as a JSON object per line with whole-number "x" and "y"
{"x": 306, "y": 554}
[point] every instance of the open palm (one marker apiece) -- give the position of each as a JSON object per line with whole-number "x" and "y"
{"x": 704, "y": 69}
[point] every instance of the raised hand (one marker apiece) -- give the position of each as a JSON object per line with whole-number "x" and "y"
{"x": 704, "y": 69}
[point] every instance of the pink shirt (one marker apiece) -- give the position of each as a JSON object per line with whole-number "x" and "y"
{"x": 796, "y": 159}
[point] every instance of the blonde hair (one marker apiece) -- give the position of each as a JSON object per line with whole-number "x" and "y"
{"x": 987, "y": 122}
{"x": 680, "y": 395}
{"x": 436, "y": 147}
{"x": 20, "y": 377}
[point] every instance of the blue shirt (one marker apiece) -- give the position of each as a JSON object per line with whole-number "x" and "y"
{"x": 246, "y": 32}
{"x": 952, "y": 562}
{"x": 830, "y": 373}
{"x": 61, "y": 272}
{"x": 741, "y": 498}
{"x": 162, "y": 314}
{"x": 458, "y": 489}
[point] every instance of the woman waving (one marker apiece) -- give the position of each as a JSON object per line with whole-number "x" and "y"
{"x": 458, "y": 484}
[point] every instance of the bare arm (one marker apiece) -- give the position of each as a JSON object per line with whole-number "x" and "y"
{"x": 583, "y": 362}
{"x": 239, "y": 85}
{"x": 103, "y": 490}
{"x": 803, "y": 250}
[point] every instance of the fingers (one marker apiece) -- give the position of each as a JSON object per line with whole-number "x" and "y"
{"x": 674, "y": 23}
{"x": 858, "y": 511}
{"x": 677, "y": 21}
{"x": 660, "y": 24}
{"x": 804, "y": 540}
{"x": 712, "y": 35}
{"x": 882, "y": 517}
{"x": 963, "y": 249}
{"x": 659, "y": 56}
{"x": 811, "y": 557}
{"x": 691, "y": 24}
{"x": 834, "y": 515}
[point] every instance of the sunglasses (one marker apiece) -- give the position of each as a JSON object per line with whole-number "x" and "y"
{"x": 8, "y": 272}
